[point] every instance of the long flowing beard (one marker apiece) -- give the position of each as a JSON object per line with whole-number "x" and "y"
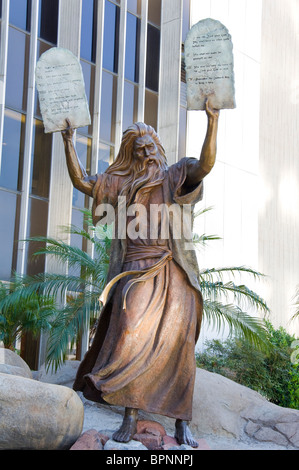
{"x": 142, "y": 180}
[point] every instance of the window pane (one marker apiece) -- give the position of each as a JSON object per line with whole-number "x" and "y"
{"x": 106, "y": 154}
{"x": 186, "y": 19}
{"x": 108, "y": 107}
{"x": 134, "y": 6}
{"x": 0, "y": 8}
{"x": 182, "y": 132}
{"x": 48, "y": 20}
{"x": 111, "y": 37}
{"x": 130, "y": 105}
{"x": 41, "y": 165}
{"x": 83, "y": 146}
{"x": 19, "y": 13}
{"x": 153, "y": 58}
{"x": 132, "y": 48}
{"x": 88, "y": 30}
{"x": 12, "y": 150}
{"x": 151, "y": 109}
{"x": 41, "y": 48}
{"x": 9, "y": 231}
{"x": 17, "y": 69}
{"x": 76, "y": 240}
{"x": 38, "y": 222}
{"x": 89, "y": 80}
{"x": 154, "y": 12}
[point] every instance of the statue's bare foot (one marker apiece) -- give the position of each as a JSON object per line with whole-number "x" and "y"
{"x": 183, "y": 434}
{"x": 128, "y": 428}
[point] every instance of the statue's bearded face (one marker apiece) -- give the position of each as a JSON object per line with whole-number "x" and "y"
{"x": 141, "y": 161}
{"x": 146, "y": 150}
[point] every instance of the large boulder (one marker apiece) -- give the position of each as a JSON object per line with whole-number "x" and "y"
{"x": 221, "y": 407}
{"x": 65, "y": 375}
{"x": 224, "y": 408}
{"x": 38, "y": 416}
{"x": 11, "y": 363}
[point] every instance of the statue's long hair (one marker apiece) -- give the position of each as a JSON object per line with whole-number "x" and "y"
{"x": 135, "y": 170}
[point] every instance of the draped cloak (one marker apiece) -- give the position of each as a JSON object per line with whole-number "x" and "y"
{"x": 142, "y": 355}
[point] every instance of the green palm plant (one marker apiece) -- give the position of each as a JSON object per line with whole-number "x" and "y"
{"x": 31, "y": 314}
{"x": 76, "y": 292}
{"x": 227, "y": 303}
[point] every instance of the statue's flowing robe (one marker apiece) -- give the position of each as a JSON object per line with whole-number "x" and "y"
{"x": 142, "y": 355}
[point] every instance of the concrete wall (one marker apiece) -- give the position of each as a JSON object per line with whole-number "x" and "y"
{"x": 254, "y": 184}
{"x": 231, "y": 188}
{"x": 279, "y": 162}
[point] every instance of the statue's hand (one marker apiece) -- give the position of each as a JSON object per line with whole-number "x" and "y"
{"x": 68, "y": 132}
{"x": 211, "y": 112}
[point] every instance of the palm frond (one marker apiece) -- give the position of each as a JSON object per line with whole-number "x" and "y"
{"x": 232, "y": 270}
{"x": 65, "y": 253}
{"x": 202, "y": 211}
{"x": 239, "y": 322}
{"x": 47, "y": 284}
{"x": 242, "y": 295}
{"x": 67, "y": 325}
{"x": 296, "y": 305}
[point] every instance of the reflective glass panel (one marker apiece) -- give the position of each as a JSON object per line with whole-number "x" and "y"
{"x": 48, "y": 20}
{"x": 111, "y": 37}
{"x": 17, "y": 69}
{"x": 182, "y": 132}
{"x": 105, "y": 157}
{"x": 186, "y": 19}
{"x": 83, "y": 147}
{"x": 41, "y": 161}
{"x": 76, "y": 240}
{"x": 0, "y": 8}
{"x": 130, "y": 105}
{"x": 38, "y": 222}
{"x": 88, "y": 30}
{"x": 41, "y": 48}
{"x": 134, "y": 6}
{"x": 132, "y": 48}
{"x": 153, "y": 58}
{"x": 151, "y": 109}
{"x": 89, "y": 80}
{"x": 9, "y": 230}
{"x": 108, "y": 107}
{"x": 154, "y": 12}
{"x": 12, "y": 150}
{"x": 20, "y": 13}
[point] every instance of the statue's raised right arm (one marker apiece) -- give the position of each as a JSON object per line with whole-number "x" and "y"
{"x": 77, "y": 172}
{"x": 198, "y": 169}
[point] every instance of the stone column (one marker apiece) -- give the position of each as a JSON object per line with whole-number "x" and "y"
{"x": 170, "y": 70}
{"x": 61, "y": 189}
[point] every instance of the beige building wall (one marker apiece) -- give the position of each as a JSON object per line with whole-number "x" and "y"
{"x": 253, "y": 187}
{"x": 279, "y": 158}
{"x": 232, "y": 186}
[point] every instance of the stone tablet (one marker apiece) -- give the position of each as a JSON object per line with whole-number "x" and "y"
{"x": 209, "y": 66}
{"x": 61, "y": 90}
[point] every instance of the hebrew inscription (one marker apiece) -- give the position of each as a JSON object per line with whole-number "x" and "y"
{"x": 61, "y": 90}
{"x": 209, "y": 66}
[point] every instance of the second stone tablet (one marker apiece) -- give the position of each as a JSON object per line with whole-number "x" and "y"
{"x": 209, "y": 66}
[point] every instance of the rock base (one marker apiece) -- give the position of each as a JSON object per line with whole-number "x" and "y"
{"x": 150, "y": 435}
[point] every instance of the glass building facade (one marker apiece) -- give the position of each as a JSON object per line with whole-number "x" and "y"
{"x": 118, "y": 43}
{"x": 131, "y": 55}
